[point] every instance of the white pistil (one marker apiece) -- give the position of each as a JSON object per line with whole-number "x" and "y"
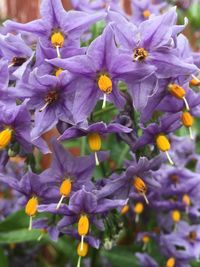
{"x": 43, "y": 108}
{"x": 58, "y": 51}
{"x": 195, "y": 78}
{"x": 191, "y": 133}
{"x": 30, "y": 223}
{"x": 60, "y": 202}
{"x": 137, "y": 218}
{"x": 96, "y": 159}
{"x": 186, "y": 103}
{"x": 104, "y": 101}
{"x": 11, "y": 65}
{"x": 79, "y": 262}
{"x": 40, "y": 237}
{"x": 169, "y": 158}
{"x": 82, "y": 241}
{"x": 145, "y": 198}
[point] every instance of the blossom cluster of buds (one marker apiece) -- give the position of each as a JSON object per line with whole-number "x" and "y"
{"x": 125, "y": 84}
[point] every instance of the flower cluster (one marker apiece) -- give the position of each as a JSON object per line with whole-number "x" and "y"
{"x": 131, "y": 85}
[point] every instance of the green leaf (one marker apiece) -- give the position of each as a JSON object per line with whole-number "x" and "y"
{"x": 3, "y": 258}
{"x": 15, "y": 221}
{"x": 121, "y": 257}
{"x": 19, "y": 236}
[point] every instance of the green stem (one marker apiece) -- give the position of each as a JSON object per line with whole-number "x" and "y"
{"x": 83, "y": 145}
{"x": 101, "y": 111}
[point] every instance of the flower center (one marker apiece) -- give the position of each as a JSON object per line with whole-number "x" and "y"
{"x": 146, "y": 14}
{"x": 187, "y": 119}
{"x": 17, "y": 61}
{"x": 105, "y": 84}
{"x": 65, "y": 188}
{"x": 31, "y": 206}
{"x": 176, "y": 216}
{"x": 125, "y": 209}
{"x": 170, "y": 262}
{"x": 82, "y": 252}
{"x": 94, "y": 141}
{"x": 186, "y": 200}
{"x": 50, "y": 98}
{"x": 5, "y": 137}
{"x": 140, "y": 54}
{"x": 178, "y": 92}
{"x": 57, "y": 71}
{"x": 57, "y": 39}
{"x": 192, "y": 236}
{"x": 174, "y": 178}
{"x": 145, "y": 239}
{"x": 138, "y": 208}
{"x": 83, "y": 225}
{"x": 141, "y": 187}
{"x": 162, "y": 142}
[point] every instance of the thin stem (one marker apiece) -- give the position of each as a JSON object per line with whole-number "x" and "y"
{"x": 137, "y": 218}
{"x": 96, "y": 159}
{"x": 82, "y": 241}
{"x": 169, "y": 158}
{"x": 186, "y": 104}
{"x": 146, "y": 199}
{"x": 191, "y": 133}
{"x": 83, "y": 145}
{"x": 58, "y": 51}
{"x": 30, "y": 223}
{"x": 104, "y": 101}
{"x": 60, "y": 202}
{"x": 10, "y": 65}
{"x": 101, "y": 111}
{"x": 45, "y": 105}
{"x": 79, "y": 261}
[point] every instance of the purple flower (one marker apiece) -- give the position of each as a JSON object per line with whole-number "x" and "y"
{"x": 98, "y": 73}
{"x": 57, "y": 29}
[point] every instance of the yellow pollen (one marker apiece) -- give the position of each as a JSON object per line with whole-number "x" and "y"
{"x": 58, "y": 72}
{"x": 57, "y": 39}
{"x": 170, "y": 262}
{"x": 140, "y": 54}
{"x": 145, "y": 239}
{"x": 83, "y": 225}
{"x": 139, "y": 185}
{"x": 94, "y": 141}
{"x": 31, "y": 206}
{"x": 139, "y": 207}
{"x": 162, "y": 142}
{"x": 176, "y": 216}
{"x": 195, "y": 82}
{"x": 187, "y": 119}
{"x": 65, "y": 188}
{"x": 105, "y": 84}
{"x": 125, "y": 209}
{"x": 82, "y": 252}
{"x": 146, "y": 14}
{"x": 186, "y": 200}
{"x": 5, "y": 137}
{"x": 176, "y": 90}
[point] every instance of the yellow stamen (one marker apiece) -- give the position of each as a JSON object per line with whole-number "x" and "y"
{"x": 195, "y": 81}
{"x": 94, "y": 141}
{"x": 141, "y": 187}
{"x": 140, "y": 54}
{"x": 57, "y": 39}
{"x": 83, "y": 228}
{"x": 125, "y": 209}
{"x": 178, "y": 92}
{"x": 138, "y": 209}
{"x": 188, "y": 120}
{"x": 163, "y": 144}
{"x": 5, "y": 137}
{"x": 186, "y": 200}
{"x": 170, "y": 262}
{"x": 176, "y": 216}
{"x": 82, "y": 252}
{"x": 58, "y": 72}
{"x": 31, "y": 209}
{"x": 65, "y": 190}
{"x": 105, "y": 84}
{"x": 146, "y": 14}
{"x": 145, "y": 239}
